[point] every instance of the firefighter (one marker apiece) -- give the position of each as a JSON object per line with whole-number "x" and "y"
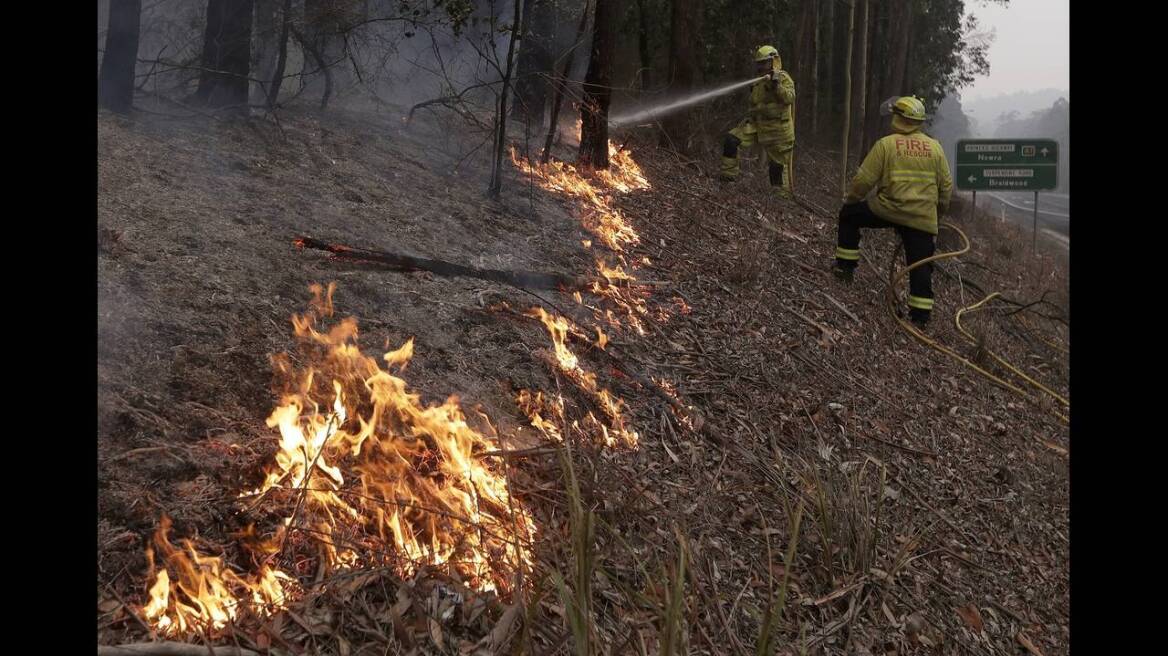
{"x": 910, "y": 175}
{"x": 770, "y": 123}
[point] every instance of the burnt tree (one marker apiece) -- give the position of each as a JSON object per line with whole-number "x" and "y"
{"x": 560, "y": 86}
{"x": 226, "y": 54}
{"x": 282, "y": 55}
{"x": 643, "y": 45}
{"x": 685, "y": 26}
{"x": 598, "y": 88}
{"x": 501, "y": 113}
{"x": 327, "y": 24}
{"x": 115, "y": 90}
{"x": 533, "y": 85}
{"x": 265, "y": 47}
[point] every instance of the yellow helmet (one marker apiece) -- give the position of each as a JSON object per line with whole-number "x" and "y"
{"x": 764, "y": 53}
{"x": 909, "y": 107}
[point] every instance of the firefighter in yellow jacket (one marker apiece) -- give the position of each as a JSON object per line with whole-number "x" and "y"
{"x": 770, "y": 123}
{"x": 911, "y": 177}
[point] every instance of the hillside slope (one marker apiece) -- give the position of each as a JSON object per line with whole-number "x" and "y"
{"x": 733, "y": 387}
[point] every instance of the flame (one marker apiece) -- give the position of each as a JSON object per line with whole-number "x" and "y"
{"x": 601, "y": 217}
{"x": 204, "y": 594}
{"x": 367, "y": 472}
{"x": 612, "y": 273}
{"x": 557, "y": 327}
{"x": 535, "y": 405}
{"x": 415, "y": 482}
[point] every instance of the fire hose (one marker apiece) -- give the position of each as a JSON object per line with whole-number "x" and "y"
{"x": 894, "y": 279}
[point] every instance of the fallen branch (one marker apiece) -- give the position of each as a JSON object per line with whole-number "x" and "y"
{"x": 172, "y": 649}
{"x": 841, "y": 307}
{"x": 400, "y": 262}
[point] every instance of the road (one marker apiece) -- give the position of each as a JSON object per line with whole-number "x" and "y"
{"x": 1054, "y": 210}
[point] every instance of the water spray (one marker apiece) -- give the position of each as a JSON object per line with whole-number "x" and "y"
{"x": 674, "y": 105}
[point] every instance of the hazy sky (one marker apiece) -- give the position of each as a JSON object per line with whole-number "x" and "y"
{"x": 1031, "y": 49}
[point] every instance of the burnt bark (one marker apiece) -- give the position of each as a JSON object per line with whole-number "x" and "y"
{"x": 116, "y": 82}
{"x": 598, "y": 89}
{"x": 685, "y": 28}
{"x": 226, "y": 54}
{"x": 533, "y": 85}
{"x": 643, "y": 45}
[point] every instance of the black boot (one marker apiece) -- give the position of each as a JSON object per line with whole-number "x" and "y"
{"x": 919, "y": 317}
{"x": 844, "y": 272}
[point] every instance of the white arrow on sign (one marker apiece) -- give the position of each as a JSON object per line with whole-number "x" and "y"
{"x": 1045, "y": 151}
{"x": 972, "y": 179}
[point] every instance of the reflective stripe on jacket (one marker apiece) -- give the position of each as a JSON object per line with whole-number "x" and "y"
{"x": 911, "y": 177}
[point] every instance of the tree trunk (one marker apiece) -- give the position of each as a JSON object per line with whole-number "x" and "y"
{"x": 802, "y": 56}
{"x": 814, "y": 86}
{"x": 828, "y": 40}
{"x": 265, "y": 48}
{"x": 309, "y": 47}
{"x": 598, "y": 89}
{"x": 325, "y": 24}
{"x": 901, "y": 24}
{"x": 116, "y": 85}
{"x": 282, "y": 58}
{"x": 226, "y": 54}
{"x": 643, "y": 45}
{"x": 909, "y": 79}
{"x": 501, "y": 112}
{"x": 847, "y": 98}
{"x": 562, "y": 82}
{"x": 859, "y": 102}
{"x": 535, "y": 62}
{"x": 683, "y": 69}
{"x": 878, "y": 90}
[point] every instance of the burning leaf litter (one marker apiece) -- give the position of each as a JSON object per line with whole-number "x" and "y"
{"x": 372, "y": 477}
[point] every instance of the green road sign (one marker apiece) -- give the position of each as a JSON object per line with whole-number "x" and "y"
{"x": 1007, "y": 164}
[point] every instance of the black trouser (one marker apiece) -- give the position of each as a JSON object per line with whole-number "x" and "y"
{"x": 918, "y": 245}
{"x": 730, "y": 146}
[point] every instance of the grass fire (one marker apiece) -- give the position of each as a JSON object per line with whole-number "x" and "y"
{"x": 485, "y": 329}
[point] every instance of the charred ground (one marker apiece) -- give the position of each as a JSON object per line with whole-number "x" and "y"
{"x": 935, "y": 504}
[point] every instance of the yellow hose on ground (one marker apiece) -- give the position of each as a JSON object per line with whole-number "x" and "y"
{"x": 894, "y": 279}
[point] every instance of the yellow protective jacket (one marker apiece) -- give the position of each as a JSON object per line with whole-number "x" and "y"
{"x": 911, "y": 177}
{"x": 770, "y": 110}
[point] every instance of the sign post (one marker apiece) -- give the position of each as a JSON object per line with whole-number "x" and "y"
{"x": 1034, "y": 242}
{"x": 1021, "y": 164}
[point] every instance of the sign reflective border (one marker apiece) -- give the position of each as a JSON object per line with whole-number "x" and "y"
{"x": 1007, "y": 164}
